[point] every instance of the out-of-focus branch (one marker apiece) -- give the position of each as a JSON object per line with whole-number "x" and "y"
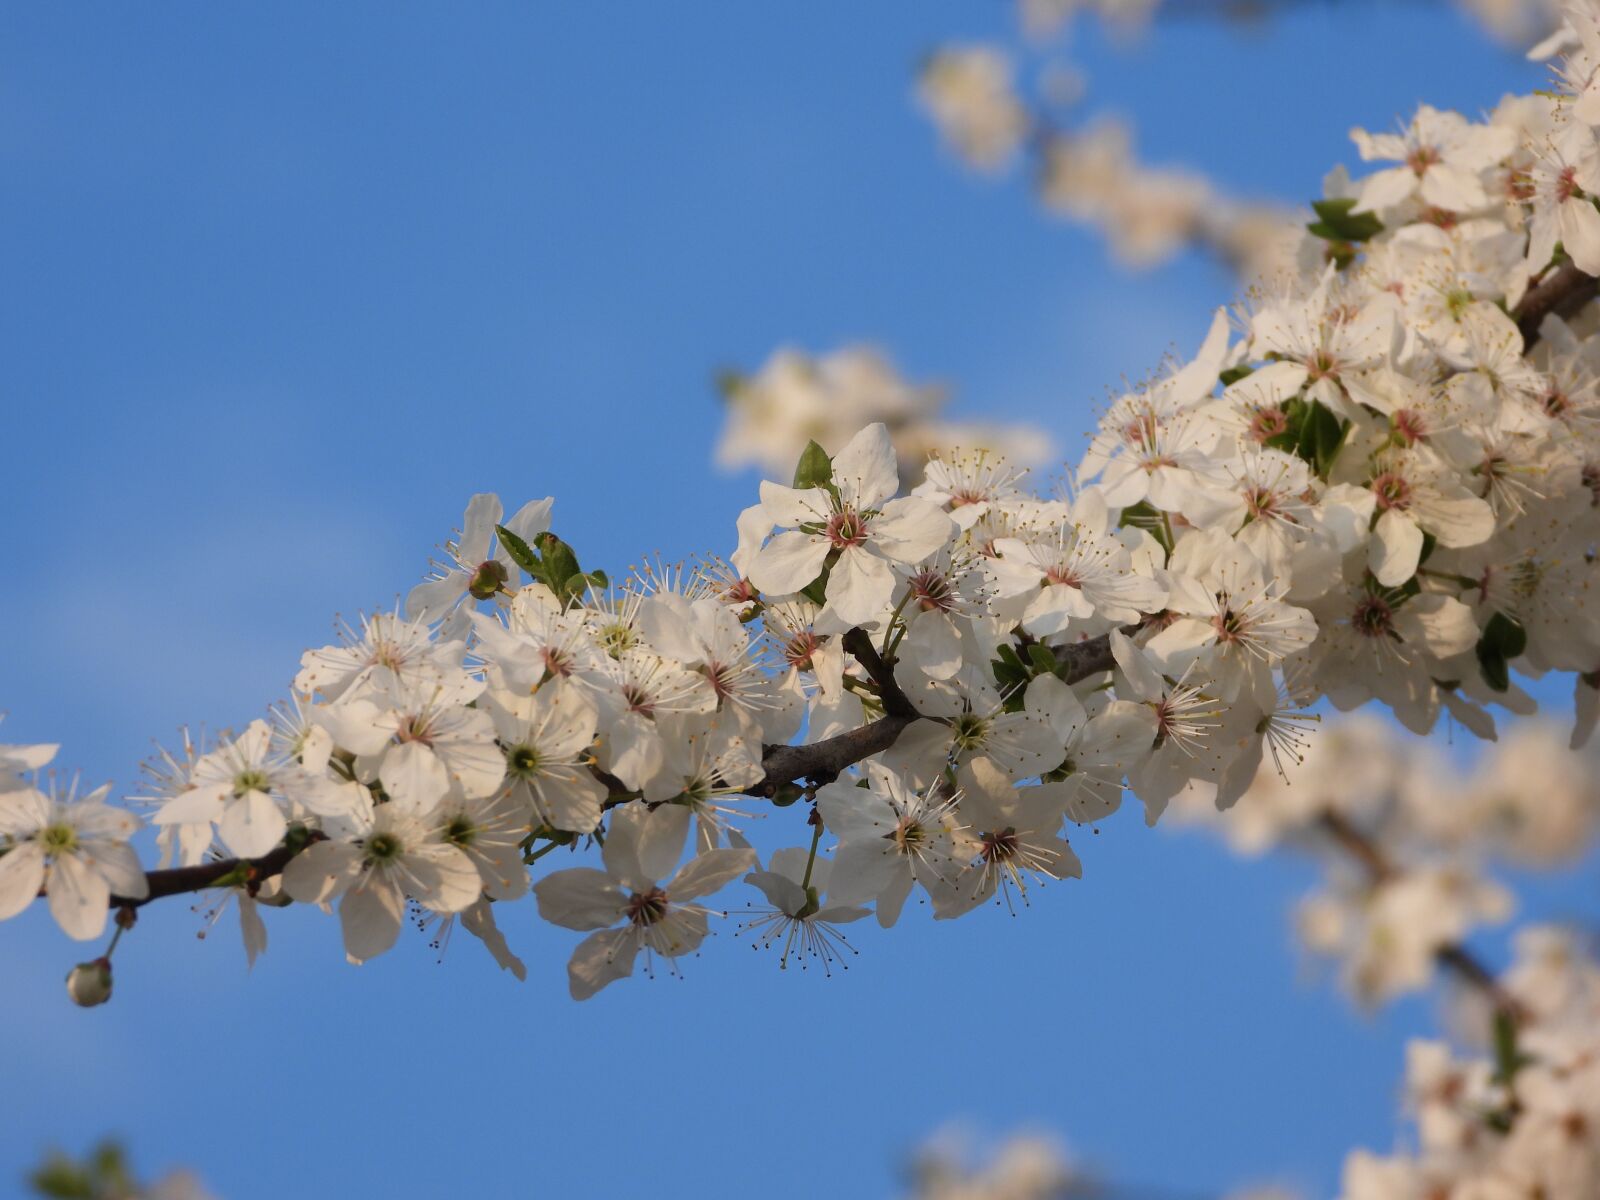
{"x": 1453, "y": 957}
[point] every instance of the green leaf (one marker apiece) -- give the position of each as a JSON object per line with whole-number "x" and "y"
{"x": 1044, "y": 662}
{"x": 580, "y": 583}
{"x": 1149, "y": 518}
{"x": 1319, "y": 437}
{"x": 521, "y": 553}
{"x": 1339, "y": 224}
{"x": 1503, "y": 640}
{"x": 559, "y": 565}
{"x": 815, "y": 468}
{"x": 1233, "y": 374}
{"x": 237, "y": 877}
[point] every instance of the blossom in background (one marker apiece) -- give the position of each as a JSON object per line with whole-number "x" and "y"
{"x": 796, "y": 398}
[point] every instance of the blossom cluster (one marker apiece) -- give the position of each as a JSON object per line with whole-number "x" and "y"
{"x": 1376, "y": 481}
{"x": 1520, "y": 1120}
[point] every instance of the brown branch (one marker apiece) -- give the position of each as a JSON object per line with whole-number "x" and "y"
{"x": 1079, "y": 660}
{"x": 822, "y": 762}
{"x": 178, "y": 881}
{"x": 895, "y": 702}
{"x": 1562, "y": 292}
{"x": 1452, "y": 956}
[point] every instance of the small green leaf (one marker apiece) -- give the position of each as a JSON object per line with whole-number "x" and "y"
{"x": 1339, "y": 224}
{"x": 521, "y": 553}
{"x": 1149, "y": 518}
{"x": 1503, "y": 640}
{"x": 815, "y": 468}
{"x": 1318, "y": 437}
{"x": 1233, "y": 374}
{"x": 237, "y": 877}
{"x": 559, "y": 565}
{"x": 1044, "y": 662}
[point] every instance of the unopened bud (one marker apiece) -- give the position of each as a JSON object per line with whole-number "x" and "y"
{"x": 488, "y": 579}
{"x": 89, "y": 983}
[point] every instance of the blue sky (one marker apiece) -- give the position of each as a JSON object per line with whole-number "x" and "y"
{"x": 288, "y": 285}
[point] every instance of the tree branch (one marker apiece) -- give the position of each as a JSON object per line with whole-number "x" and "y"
{"x": 1562, "y": 292}
{"x": 178, "y": 881}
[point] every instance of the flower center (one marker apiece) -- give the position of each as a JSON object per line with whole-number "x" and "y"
{"x": 1372, "y": 618}
{"x": 1261, "y": 502}
{"x": 797, "y": 651}
{"x": 846, "y": 529}
{"x": 970, "y": 731}
{"x": 59, "y": 839}
{"x": 646, "y": 908}
{"x": 1409, "y": 426}
{"x": 1392, "y": 491}
{"x": 415, "y": 729}
{"x": 908, "y": 835}
{"x": 1230, "y": 625}
{"x": 252, "y": 780}
{"x": 383, "y": 847}
{"x": 1268, "y": 423}
{"x": 1420, "y": 159}
{"x": 522, "y": 761}
{"x": 1000, "y": 846}
{"x": 932, "y": 591}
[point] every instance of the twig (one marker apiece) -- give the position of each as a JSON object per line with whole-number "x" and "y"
{"x": 1452, "y": 956}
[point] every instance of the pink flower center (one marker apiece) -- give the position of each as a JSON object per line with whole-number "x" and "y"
{"x": 846, "y": 529}
{"x": 1392, "y": 491}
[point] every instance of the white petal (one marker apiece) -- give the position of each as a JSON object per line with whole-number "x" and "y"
{"x": 371, "y": 916}
{"x": 1395, "y": 548}
{"x": 321, "y": 871}
{"x": 788, "y": 563}
{"x": 600, "y": 959}
{"x": 414, "y": 776}
{"x": 80, "y": 897}
{"x": 865, "y": 471}
{"x": 909, "y": 530}
{"x": 859, "y": 586}
{"x": 708, "y": 872}
{"x": 251, "y": 824}
{"x": 21, "y": 877}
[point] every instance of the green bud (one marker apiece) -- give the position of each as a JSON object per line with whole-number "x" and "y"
{"x": 488, "y": 579}
{"x": 787, "y": 795}
{"x": 89, "y": 983}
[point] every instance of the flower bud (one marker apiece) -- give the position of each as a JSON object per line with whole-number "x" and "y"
{"x": 89, "y": 983}
{"x": 488, "y": 579}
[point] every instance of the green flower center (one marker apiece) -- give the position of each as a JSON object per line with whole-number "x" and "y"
{"x": 522, "y": 761}
{"x": 250, "y": 781}
{"x": 59, "y": 839}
